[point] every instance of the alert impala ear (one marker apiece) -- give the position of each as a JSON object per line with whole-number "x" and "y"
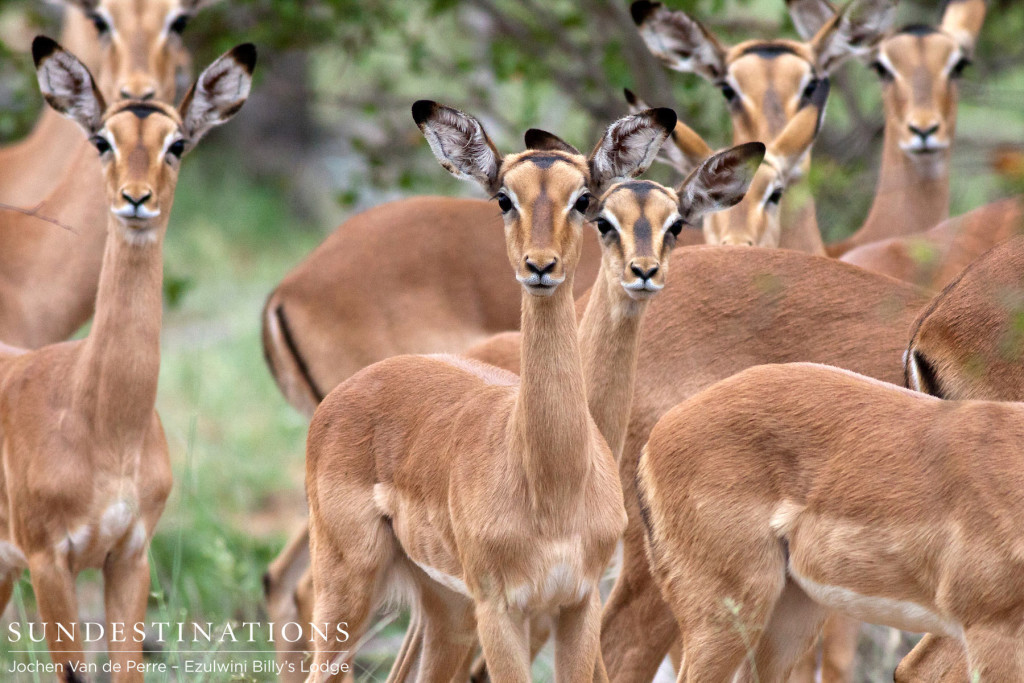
{"x": 854, "y": 31}
{"x": 459, "y": 142}
{"x": 679, "y": 40}
{"x": 962, "y": 19}
{"x": 545, "y": 141}
{"x": 629, "y": 146}
{"x": 684, "y": 149}
{"x": 218, "y": 93}
{"x": 720, "y": 181}
{"x": 810, "y": 16}
{"x": 67, "y": 85}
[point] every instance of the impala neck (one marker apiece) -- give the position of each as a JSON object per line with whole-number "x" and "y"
{"x": 119, "y": 365}
{"x": 609, "y": 334}
{"x": 550, "y": 423}
{"x": 911, "y": 196}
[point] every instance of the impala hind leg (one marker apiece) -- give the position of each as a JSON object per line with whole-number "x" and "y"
{"x": 934, "y": 659}
{"x": 54, "y": 586}
{"x": 637, "y": 626}
{"x": 791, "y": 632}
{"x": 350, "y": 559}
{"x": 540, "y": 630}
{"x": 839, "y": 648}
{"x": 448, "y": 635}
{"x": 407, "y": 660}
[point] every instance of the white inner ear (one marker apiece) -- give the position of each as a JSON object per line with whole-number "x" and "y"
{"x": 462, "y": 143}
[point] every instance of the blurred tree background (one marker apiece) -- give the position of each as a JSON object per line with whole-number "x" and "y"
{"x": 329, "y": 118}
{"x": 328, "y": 131}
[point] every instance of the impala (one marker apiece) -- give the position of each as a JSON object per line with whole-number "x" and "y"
{"x": 85, "y": 466}
{"x": 790, "y": 490}
{"x": 755, "y": 220}
{"x": 919, "y": 66}
{"x": 490, "y": 498}
{"x": 765, "y": 82}
{"x": 49, "y": 270}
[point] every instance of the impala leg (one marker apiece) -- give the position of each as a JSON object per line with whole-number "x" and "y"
{"x": 408, "y": 657}
{"x": 934, "y": 660}
{"x": 806, "y": 669}
{"x": 505, "y": 642}
{"x": 125, "y": 591}
{"x": 637, "y": 627}
{"x": 792, "y": 630}
{"x": 540, "y": 631}
{"x": 54, "y": 586}
{"x": 449, "y": 636}
{"x": 839, "y": 648}
{"x": 578, "y": 641}
{"x": 288, "y": 591}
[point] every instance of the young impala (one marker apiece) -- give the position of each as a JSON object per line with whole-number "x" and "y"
{"x": 85, "y": 466}
{"x": 766, "y": 82}
{"x": 49, "y": 273}
{"x": 789, "y": 490}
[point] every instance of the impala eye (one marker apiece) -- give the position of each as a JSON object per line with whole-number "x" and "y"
{"x": 776, "y": 196}
{"x": 958, "y": 69}
{"x": 676, "y": 228}
{"x": 102, "y": 27}
{"x": 729, "y": 92}
{"x": 179, "y": 24}
{"x": 582, "y": 202}
{"x": 177, "y": 148}
{"x": 101, "y": 144}
{"x": 881, "y": 70}
{"x": 504, "y": 203}
{"x": 604, "y": 227}
{"x": 811, "y": 87}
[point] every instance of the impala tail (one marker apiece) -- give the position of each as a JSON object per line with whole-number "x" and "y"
{"x": 286, "y": 363}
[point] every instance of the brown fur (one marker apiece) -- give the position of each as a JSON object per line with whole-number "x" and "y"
{"x": 86, "y": 471}
{"x": 743, "y": 483}
{"x": 48, "y": 274}
{"x": 935, "y": 257}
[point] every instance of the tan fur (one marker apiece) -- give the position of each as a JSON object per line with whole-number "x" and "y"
{"x": 508, "y": 492}
{"x": 86, "y": 471}
{"x": 770, "y": 79}
{"x": 935, "y": 257}
{"x": 48, "y": 274}
{"x": 919, "y": 94}
{"x": 789, "y": 490}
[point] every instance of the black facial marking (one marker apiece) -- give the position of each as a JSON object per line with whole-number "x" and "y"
{"x": 917, "y": 30}
{"x": 143, "y": 110}
{"x": 642, "y": 235}
{"x": 543, "y": 161}
{"x": 769, "y": 50}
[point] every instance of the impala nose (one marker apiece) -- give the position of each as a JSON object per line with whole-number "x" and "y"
{"x": 137, "y": 199}
{"x": 924, "y": 133}
{"x": 642, "y": 273}
{"x": 542, "y": 267}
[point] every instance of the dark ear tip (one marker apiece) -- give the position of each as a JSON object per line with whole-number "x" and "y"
{"x": 665, "y": 117}
{"x": 630, "y": 95}
{"x": 422, "y": 109}
{"x": 245, "y": 54}
{"x": 641, "y": 9}
{"x": 755, "y": 150}
{"x": 43, "y": 47}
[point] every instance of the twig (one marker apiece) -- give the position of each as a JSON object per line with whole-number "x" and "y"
{"x": 34, "y": 213}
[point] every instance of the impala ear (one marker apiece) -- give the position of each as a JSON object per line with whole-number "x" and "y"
{"x": 789, "y": 148}
{"x": 720, "y": 181}
{"x": 67, "y": 85}
{"x": 679, "y": 40}
{"x": 459, "y": 142}
{"x": 810, "y": 16}
{"x": 545, "y": 141}
{"x": 854, "y": 31}
{"x": 962, "y": 19}
{"x": 629, "y": 146}
{"x": 218, "y": 93}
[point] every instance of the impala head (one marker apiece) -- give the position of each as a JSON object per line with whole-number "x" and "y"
{"x": 143, "y": 57}
{"x": 754, "y": 221}
{"x": 546, "y": 192}
{"x": 918, "y": 66}
{"x": 141, "y": 143}
{"x": 638, "y": 220}
{"x": 765, "y": 82}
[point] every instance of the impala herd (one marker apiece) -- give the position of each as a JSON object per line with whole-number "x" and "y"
{"x": 785, "y": 441}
